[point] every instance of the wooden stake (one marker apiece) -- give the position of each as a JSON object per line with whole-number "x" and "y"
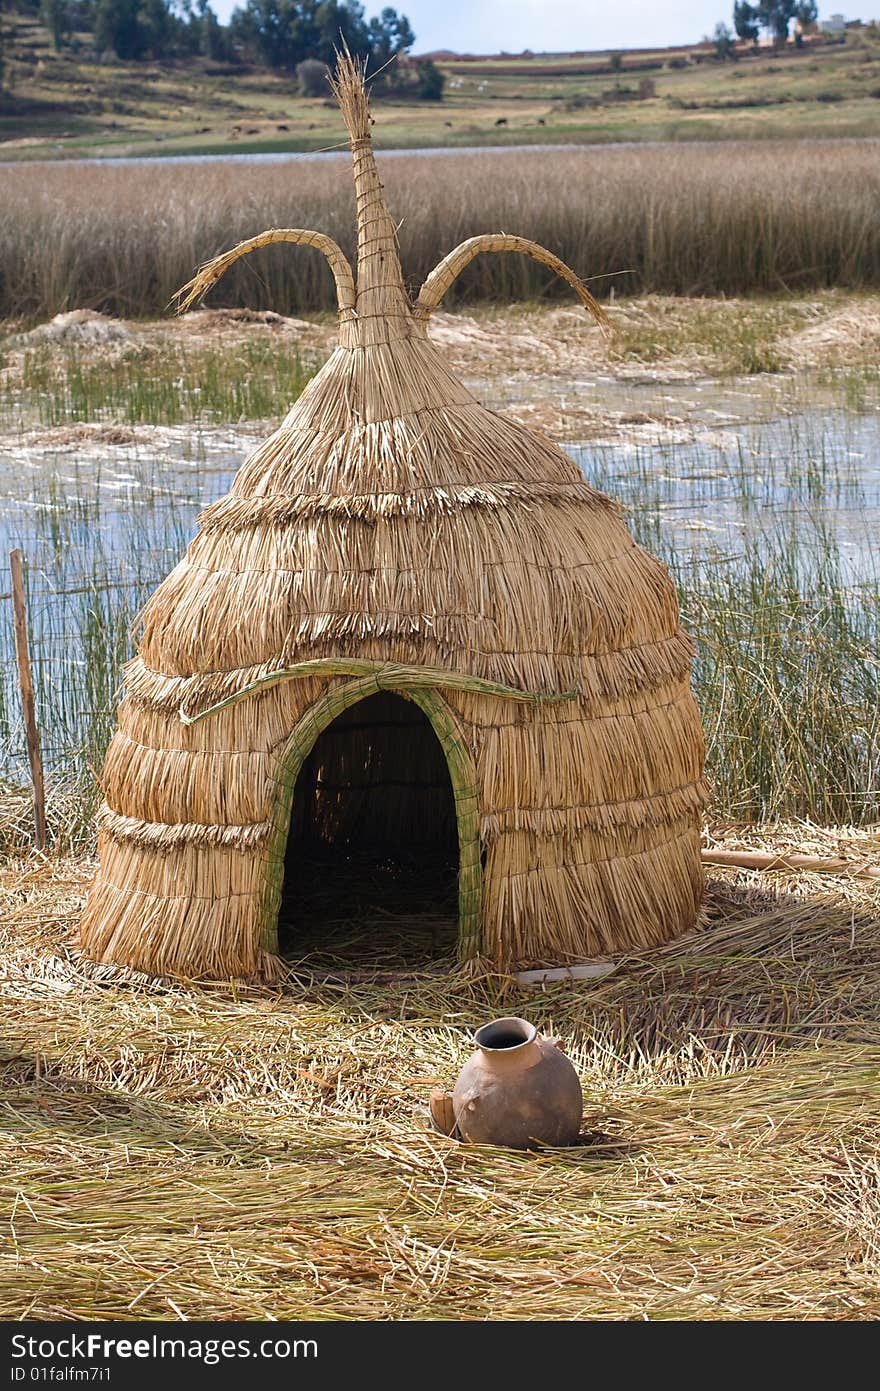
{"x": 28, "y": 709}
{"x": 584, "y": 970}
{"x": 813, "y": 864}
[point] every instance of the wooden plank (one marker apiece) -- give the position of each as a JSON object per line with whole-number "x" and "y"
{"x": 812, "y": 864}
{"x": 583, "y": 970}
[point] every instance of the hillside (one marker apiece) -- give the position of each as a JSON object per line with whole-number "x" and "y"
{"x": 68, "y": 104}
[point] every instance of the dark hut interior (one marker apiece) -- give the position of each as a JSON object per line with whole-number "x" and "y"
{"x": 372, "y": 856}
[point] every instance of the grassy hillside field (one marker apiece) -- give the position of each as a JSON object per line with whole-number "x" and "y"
{"x": 68, "y": 104}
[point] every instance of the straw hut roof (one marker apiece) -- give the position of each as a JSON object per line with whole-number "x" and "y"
{"x": 396, "y": 541}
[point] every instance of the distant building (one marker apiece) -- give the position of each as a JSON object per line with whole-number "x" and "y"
{"x": 836, "y": 24}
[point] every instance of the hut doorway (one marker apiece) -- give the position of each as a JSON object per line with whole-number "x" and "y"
{"x": 380, "y": 844}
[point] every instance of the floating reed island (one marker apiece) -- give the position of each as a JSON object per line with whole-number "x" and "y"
{"x": 411, "y": 627}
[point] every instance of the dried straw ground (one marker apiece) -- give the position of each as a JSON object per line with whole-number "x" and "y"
{"x": 204, "y": 1154}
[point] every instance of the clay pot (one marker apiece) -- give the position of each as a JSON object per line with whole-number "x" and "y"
{"x": 517, "y": 1090}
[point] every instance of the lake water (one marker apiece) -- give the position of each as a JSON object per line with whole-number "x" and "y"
{"x": 341, "y": 152}
{"x": 126, "y": 511}
{"x": 426, "y": 151}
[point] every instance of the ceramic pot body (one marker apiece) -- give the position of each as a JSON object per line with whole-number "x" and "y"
{"x": 518, "y": 1089}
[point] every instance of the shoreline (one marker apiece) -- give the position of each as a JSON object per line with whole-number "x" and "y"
{"x": 670, "y": 361}
{"x": 543, "y": 145}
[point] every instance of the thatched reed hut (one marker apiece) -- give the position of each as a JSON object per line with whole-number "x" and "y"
{"x": 411, "y": 622}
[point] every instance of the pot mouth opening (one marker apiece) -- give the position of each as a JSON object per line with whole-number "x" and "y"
{"x": 503, "y": 1035}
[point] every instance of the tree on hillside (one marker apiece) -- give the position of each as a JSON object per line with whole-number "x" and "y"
{"x": 725, "y": 43}
{"x": 118, "y": 28}
{"x": 134, "y": 29}
{"x": 195, "y": 28}
{"x": 211, "y": 36}
{"x": 774, "y": 16}
{"x": 286, "y": 32}
{"x": 388, "y": 34}
{"x": 56, "y": 16}
{"x": 430, "y": 79}
{"x": 159, "y": 24}
{"x": 806, "y": 13}
{"x": 746, "y": 22}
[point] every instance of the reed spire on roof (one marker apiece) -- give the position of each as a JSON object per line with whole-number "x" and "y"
{"x": 380, "y": 285}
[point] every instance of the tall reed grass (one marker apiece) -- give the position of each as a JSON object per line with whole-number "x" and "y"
{"x": 788, "y": 681}
{"x": 710, "y": 219}
{"x": 96, "y": 542}
{"x": 771, "y": 541}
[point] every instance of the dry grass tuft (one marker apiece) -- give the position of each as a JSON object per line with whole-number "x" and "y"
{"x": 230, "y": 1152}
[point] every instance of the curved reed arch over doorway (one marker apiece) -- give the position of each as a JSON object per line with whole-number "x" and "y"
{"x": 462, "y": 775}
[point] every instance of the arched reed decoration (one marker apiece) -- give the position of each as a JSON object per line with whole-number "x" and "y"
{"x": 462, "y": 775}
{"x": 382, "y": 676}
{"x": 450, "y": 268}
{"x": 212, "y": 271}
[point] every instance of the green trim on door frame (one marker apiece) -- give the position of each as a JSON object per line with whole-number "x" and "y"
{"x": 462, "y": 774}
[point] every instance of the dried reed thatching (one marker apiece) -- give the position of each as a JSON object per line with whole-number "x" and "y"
{"x": 396, "y": 547}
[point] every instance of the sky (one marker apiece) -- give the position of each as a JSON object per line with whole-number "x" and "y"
{"x": 487, "y": 26}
